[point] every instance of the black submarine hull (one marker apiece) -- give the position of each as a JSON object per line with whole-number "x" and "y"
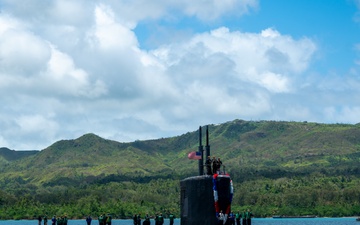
{"x": 197, "y": 198}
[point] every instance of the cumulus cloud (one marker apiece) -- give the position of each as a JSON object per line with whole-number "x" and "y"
{"x": 347, "y": 114}
{"x": 216, "y": 8}
{"x": 111, "y": 34}
{"x": 64, "y": 78}
{"x": 78, "y": 67}
{"x": 264, "y": 59}
{"x": 21, "y": 52}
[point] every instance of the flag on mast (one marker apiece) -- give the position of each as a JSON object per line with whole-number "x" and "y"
{"x": 194, "y": 155}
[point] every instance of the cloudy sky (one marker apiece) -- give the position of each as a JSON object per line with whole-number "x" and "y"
{"x": 138, "y": 70}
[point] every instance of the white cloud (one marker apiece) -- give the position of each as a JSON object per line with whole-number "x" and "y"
{"x": 344, "y": 114}
{"x": 274, "y": 82}
{"x": 30, "y": 62}
{"x": 210, "y": 10}
{"x": 135, "y": 11}
{"x": 63, "y": 77}
{"x": 36, "y": 124}
{"x": 3, "y": 142}
{"x": 265, "y": 60}
{"x": 78, "y": 67}
{"x": 22, "y": 53}
{"x": 111, "y": 34}
{"x": 70, "y": 12}
{"x": 296, "y": 112}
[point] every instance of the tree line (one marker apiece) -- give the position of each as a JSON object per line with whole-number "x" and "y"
{"x": 314, "y": 194}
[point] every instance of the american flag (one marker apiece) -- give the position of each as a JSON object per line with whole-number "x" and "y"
{"x": 194, "y": 155}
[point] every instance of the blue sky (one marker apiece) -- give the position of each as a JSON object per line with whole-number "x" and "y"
{"x": 138, "y": 70}
{"x": 331, "y": 24}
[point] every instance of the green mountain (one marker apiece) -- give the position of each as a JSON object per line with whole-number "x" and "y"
{"x": 273, "y": 164}
{"x": 11, "y": 155}
{"x": 7, "y": 155}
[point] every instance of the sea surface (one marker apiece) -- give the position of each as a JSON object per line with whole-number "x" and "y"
{"x": 255, "y": 221}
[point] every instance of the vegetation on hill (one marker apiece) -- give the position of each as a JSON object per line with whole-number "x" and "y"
{"x": 11, "y": 155}
{"x": 277, "y": 167}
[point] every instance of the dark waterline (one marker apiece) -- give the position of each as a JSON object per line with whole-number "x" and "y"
{"x": 255, "y": 221}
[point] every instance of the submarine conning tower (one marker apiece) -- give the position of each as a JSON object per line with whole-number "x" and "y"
{"x": 203, "y": 196}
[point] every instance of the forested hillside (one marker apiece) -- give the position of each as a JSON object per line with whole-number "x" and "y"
{"x": 277, "y": 167}
{"x": 7, "y": 155}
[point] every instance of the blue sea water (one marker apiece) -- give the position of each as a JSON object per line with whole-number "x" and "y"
{"x": 306, "y": 221}
{"x": 255, "y": 221}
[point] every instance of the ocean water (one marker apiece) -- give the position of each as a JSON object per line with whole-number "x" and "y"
{"x": 307, "y": 221}
{"x": 255, "y": 221}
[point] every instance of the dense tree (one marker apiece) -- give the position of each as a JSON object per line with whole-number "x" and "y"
{"x": 277, "y": 167}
